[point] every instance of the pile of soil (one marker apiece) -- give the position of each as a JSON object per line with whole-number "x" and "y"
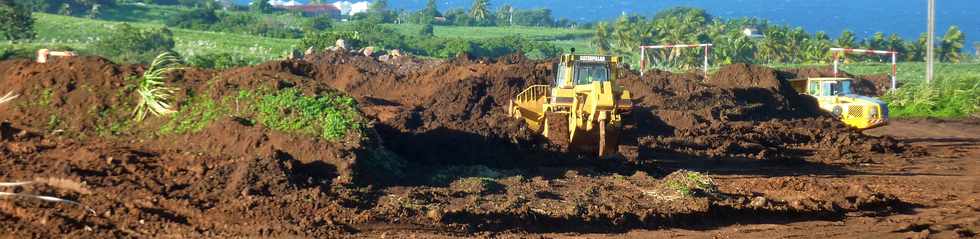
{"x": 85, "y": 97}
{"x": 742, "y": 111}
{"x": 451, "y": 113}
{"x": 236, "y": 178}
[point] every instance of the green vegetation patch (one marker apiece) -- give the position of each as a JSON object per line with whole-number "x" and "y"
{"x": 331, "y": 116}
{"x": 948, "y": 97}
{"x": 690, "y": 183}
{"x": 194, "y": 115}
{"x": 477, "y": 185}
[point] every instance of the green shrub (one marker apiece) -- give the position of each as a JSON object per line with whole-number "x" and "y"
{"x": 221, "y": 61}
{"x": 132, "y": 45}
{"x": 689, "y": 183}
{"x": 331, "y": 116}
{"x": 194, "y": 115}
{"x": 328, "y": 39}
{"x": 950, "y": 96}
{"x": 16, "y": 21}
{"x": 427, "y": 30}
{"x": 198, "y": 18}
{"x": 319, "y": 23}
{"x": 272, "y": 27}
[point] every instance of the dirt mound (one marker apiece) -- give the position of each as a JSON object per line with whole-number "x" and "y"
{"x": 235, "y": 177}
{"x": 821, "y": 139}
{"x": 447, "y": 113}
{"x": 742, "y": 111}
{"x": 138, "y": 193}
{"x": 77, "y": 86}
{"x": 872, "y": 85}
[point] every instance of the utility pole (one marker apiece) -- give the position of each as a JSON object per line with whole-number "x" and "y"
{"x": 930, "y": 48}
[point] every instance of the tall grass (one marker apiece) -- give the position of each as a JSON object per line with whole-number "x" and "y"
{"x": 952, "y": 96}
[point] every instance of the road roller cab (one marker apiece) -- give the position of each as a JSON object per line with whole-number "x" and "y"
{"x": 835, "y": 95}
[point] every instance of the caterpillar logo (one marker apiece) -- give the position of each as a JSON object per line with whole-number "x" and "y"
{"x": 592, "y": 58}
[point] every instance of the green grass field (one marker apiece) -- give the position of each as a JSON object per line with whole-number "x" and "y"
{"x": 81, "y": 33}
{"x": 564, "y": 38}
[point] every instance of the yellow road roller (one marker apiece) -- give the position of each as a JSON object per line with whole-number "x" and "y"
{"x": 835, "y": 96}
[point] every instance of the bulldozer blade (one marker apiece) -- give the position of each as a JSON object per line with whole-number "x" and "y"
{"x": 557, "y": 129}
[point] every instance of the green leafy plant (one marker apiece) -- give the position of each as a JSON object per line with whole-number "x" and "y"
{"x": 194, "y": 116}
{"x": 154, "y": 95}
{"x": 947, "y": 97}
{"x": 330, "y": 116}
{"x": 690, "y": 183}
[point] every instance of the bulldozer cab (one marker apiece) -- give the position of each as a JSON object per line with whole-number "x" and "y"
{"x": 582, "y": 70}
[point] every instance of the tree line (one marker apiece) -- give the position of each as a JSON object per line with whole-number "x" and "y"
{"x": 776, "y": 44}
{"x": 480, "y": 13}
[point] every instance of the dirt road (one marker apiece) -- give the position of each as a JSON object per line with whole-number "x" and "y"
{"x": 940, "y": 191}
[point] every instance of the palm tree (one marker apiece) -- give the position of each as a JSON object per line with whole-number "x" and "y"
{"x": 976, "y": 47}
{"x": 772, "y": 48}
{"x": 734, "y": 47}
{"x": 379, "y": 6}
{"x": 916, "y": 49}
{"x": 950, "y": 49}
{"x": 431, "y": 10}
{"x": 505, "y": 14}
{"x": 794, "y": 44}
{"x": 896, "y": 43}
{"x": 625, "y": 34}
{"x": 846, "y": 39}
{"x": 877, "y": 41}
{"x": 816, "y": 48}
{"x": 480, "y": 10}
{"x": 601, "y": 39}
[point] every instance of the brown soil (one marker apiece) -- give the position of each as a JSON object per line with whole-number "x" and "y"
{"x": 470, "y": 170}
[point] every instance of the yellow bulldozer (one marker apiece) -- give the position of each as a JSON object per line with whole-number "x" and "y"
{"x": 835, "y": 96}
{"x": 582, "y": 109}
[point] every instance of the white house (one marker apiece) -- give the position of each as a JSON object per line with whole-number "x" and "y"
{"x": 752, "y": 32}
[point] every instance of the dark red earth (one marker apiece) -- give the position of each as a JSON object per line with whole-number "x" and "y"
{"x": 454, "y": 165}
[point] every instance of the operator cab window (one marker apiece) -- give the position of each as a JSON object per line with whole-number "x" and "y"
{"x": 814, "y": 87}
{"x": 845, "y": 87}
{"x": 832, "y": 88}
{"x": 586, "y": 73}
{"x": 560, "y": 80}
